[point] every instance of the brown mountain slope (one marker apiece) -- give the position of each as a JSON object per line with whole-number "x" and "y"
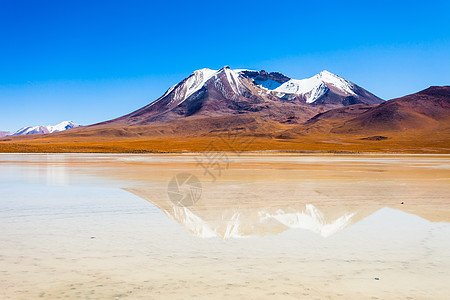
{"x": 325, "y": 122}
{"x": 426, "y": 110}
{"x": 342, "y": 113}
{"x": 423, "y": 111}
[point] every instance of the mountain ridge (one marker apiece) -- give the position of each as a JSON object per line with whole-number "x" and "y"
{"x": 65, "y": 125}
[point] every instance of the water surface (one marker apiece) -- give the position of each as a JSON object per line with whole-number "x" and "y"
{"x": 261, "y": 226}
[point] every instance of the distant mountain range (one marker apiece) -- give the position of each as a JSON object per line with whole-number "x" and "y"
{"x": 4, "y": 133}
{"x": 323, "y": 113}
{"x": 41, "y": 129}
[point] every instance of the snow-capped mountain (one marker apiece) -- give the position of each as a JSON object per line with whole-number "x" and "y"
{"x": 310, "y": 89}
{"x": 45, "y": 129}
{"x": 273, "y": 95}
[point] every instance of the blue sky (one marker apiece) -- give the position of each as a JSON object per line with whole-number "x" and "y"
{"x": 90, "y": 61}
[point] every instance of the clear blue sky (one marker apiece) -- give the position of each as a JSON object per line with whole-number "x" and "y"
{"x": 90, "y": 61}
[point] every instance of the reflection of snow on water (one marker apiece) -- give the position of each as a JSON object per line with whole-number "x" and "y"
{"x": 313, "y": 219}
{"x": 47, "y": 247}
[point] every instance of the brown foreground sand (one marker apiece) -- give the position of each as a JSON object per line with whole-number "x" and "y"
{"x": 143, "y": 139}
{"x": 265, "y": 227}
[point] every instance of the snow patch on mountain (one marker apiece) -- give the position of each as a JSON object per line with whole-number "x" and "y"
{"x": 45, "y": 129}
{"x": 337, "y": 81}
{"x": 267, "y": 84}
{"x": 181, "y": 91}
{"x": 197, "y": 80}
{"x": 62, "y": 126}
{"x": 193, "y": 83}
{"x": 315, "y": 87}
{"x": 233, "y": 79}
{"x": 311, "y": 88}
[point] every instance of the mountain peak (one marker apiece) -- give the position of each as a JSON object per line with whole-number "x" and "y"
{"x": 204, "y": 70}
{"x": 326, "y": 75}
{"x": 325, "y": 72}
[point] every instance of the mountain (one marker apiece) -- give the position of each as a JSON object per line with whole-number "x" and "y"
{"x": 274, "y": 96}
{"x": 4, "y": 133}
{"x": 426, "y": 110}
{"x": 44, "y": 129}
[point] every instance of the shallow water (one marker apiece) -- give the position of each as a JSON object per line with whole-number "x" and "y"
{"x": 250, "y": 226}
